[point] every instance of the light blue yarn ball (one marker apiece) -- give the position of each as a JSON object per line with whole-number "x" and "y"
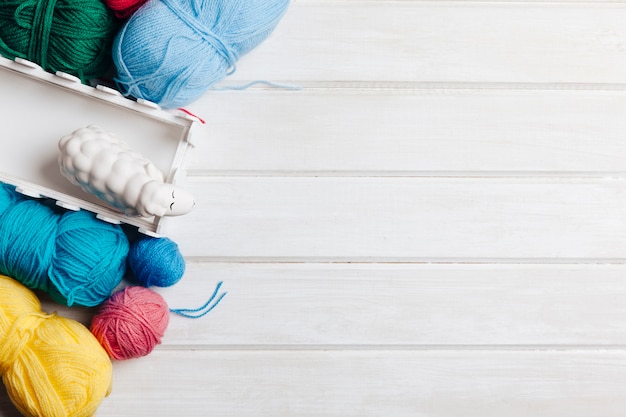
{"x": 171, "y": 52}
{"x": 156, "y": 262}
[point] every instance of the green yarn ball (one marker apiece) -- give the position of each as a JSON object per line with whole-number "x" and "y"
{"x": 73, "y": 36}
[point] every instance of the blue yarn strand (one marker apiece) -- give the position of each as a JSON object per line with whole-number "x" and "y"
{"x": 246, "y": 86}
{"x": 205, "y": 309}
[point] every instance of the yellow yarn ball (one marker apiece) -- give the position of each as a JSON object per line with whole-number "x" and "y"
{"x": 51, "y": 366}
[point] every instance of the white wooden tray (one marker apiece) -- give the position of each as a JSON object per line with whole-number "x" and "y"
{"x": 38, "y": 108}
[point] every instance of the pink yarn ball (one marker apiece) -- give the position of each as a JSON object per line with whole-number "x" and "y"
{"x": 131, "y": 322}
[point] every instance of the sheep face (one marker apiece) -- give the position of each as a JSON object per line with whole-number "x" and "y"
{"x": 163, "y": 199}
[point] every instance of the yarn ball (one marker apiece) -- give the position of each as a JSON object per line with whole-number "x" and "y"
{"x": 73, "y": 36}
{"x": 50, "y": 365}
{"x": 131, "y": 323}
{"x": 171, "y": 52}
{"x": 156, "y": 261}
{"x": 72, "y": 255}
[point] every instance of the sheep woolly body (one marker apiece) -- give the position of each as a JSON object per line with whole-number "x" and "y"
{"x": 104, "y": 165}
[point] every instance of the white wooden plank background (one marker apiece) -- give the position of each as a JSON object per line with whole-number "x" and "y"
{"x": 434, "y": 225}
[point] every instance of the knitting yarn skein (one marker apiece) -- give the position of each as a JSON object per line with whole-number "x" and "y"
{"x": 51, "y": 366}
{"x": 73, "y": 36}
{"x": 172, "y": 51}
{"x": 156, "y": 261}
{"x": 131, "y": 323}
{"x": 73, "y": 256}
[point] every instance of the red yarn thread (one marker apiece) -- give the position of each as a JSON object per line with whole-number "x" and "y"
{"x": 124, "y": 8}
{"x": 201, "y": 120}
{"x": 131, "y": 322}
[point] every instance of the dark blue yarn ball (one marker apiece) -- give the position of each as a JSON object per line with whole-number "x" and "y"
{"x": 156, "y": 262}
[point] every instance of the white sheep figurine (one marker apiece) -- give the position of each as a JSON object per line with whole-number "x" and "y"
{"x": 105, "y": 166}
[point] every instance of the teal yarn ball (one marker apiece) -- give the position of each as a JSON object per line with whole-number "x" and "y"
{"x": 171, "y": 52}
{"x": 156, "y": 262}
{"x": 73, "y": 36}
{"x": 73, "y": 256}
